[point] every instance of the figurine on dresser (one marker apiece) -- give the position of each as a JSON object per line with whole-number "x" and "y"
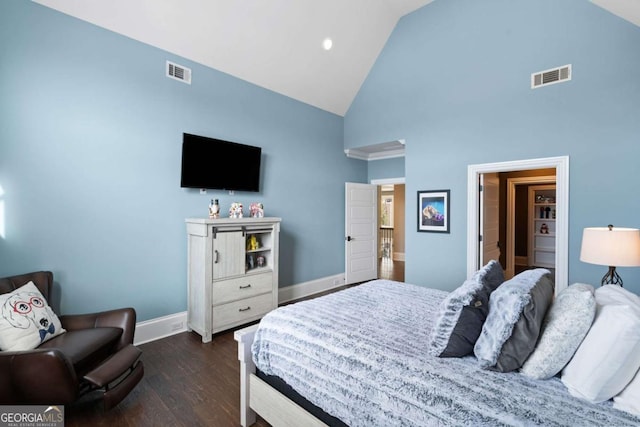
{"x": 256, "y": 210}
{"x": 235, "y": 211}
{"x": 214, "y": 209}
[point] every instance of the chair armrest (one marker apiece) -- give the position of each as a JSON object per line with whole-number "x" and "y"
{"x": 123, "y": 318}
{"x": 40, "y": 376}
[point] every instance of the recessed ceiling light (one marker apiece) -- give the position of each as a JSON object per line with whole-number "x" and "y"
{"x": 327, "y": 43}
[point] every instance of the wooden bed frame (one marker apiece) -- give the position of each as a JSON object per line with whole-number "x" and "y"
{"x": 258, "y": 397}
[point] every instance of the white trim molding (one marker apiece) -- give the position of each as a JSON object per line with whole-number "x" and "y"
{"x": 384, "y": 181}
{"x": 385, "y": 150}
{"x": 165, "y": 326}
{"x": 301, "y": 290}
{"x": 561, "y": 164}
{"x": 361, "y": 155}
{"x": 160, "y": 327}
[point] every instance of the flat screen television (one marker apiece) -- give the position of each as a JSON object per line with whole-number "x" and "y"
{"x": 210, "y": 163}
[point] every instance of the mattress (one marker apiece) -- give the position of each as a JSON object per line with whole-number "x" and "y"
{"x": 361, "y": 356}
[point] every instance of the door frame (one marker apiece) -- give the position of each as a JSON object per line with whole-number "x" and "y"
{"x": 387, "y": 181}
{"x": 561, "y": 165}
{"x": 512, "y": 183}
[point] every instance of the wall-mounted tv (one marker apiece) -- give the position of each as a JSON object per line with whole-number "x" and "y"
{"x": 210, "y": 163}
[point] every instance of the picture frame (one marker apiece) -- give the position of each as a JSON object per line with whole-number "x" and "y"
{"x": 434, "y": 211}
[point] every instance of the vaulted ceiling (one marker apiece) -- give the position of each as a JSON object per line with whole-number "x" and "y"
{"x": 275, "y": 44}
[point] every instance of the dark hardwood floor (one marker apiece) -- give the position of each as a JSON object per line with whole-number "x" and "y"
{"x": 186, "y": 382}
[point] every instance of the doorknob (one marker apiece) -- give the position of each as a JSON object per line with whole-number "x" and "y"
{"x": 349, "y": 238}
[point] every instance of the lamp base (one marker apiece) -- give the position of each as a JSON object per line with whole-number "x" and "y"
{"x": 611, "y": 278}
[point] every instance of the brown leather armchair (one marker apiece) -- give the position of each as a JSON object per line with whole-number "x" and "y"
{"x": 96, "y": 354}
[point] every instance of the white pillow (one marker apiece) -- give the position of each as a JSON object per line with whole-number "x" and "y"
{"x": 563, "y": 329}
{"x": 629, "y": 399}
{"x": 26, "y": 320}
{"x": 609, "y": 356}
{"x": 613, "y": 294}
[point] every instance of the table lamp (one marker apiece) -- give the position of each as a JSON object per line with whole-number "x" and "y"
{"x": 613, "y": 247}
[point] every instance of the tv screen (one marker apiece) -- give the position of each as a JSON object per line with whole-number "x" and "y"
{"x": 210, "y": 163}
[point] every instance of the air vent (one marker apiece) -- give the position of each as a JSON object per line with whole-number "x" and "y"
{"x": 549, "y": 77}
{"x": 178, "y": 72}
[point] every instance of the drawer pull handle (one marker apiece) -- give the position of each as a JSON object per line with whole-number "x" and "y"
{"x": 245, "y": 309}
{"x": 215, "y": 259}
{"x": 246, "y": 286}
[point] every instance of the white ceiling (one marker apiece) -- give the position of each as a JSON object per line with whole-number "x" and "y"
{"x": 276, "y": 44}
{"x": 625, "y": 9}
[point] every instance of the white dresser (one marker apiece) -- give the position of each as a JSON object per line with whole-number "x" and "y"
{"x": 232, "y": 272}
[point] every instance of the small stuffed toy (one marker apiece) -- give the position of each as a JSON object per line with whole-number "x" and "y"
{"x": 252, "y": 243}
{"x": 256, "y": 210}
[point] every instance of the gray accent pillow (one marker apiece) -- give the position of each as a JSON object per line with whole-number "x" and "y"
{"x": 516, "y": 312}
{"x": 462, "y": 313}
{"x": 563, "y": 329}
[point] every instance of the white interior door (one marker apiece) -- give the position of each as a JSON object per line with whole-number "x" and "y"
{"x": 361, "y": 236}
{"x": 490, "y": 217}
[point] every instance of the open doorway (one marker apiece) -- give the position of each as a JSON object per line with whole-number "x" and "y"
{"x": 517, "y": 217}
{"x": 528, "y": 220}
{"x": 560, "y": 165}
{"x": 391, "y": 229}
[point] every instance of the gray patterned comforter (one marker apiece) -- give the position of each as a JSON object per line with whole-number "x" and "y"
{"x": 361, "y": 355}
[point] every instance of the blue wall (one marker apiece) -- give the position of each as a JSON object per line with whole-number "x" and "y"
{"x": 90, "y": 145}
{"x": 385, "y": 169}
{"x": 90, "y": 133}
{"x": 453, "y": 81}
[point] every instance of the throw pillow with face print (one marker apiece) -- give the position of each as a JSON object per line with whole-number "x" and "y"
{"x": 26, "y": 320}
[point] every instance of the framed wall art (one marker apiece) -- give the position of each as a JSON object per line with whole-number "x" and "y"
{"x": 433, "y": 211}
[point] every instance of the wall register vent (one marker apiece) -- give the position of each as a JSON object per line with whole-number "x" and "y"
{"x": 178, "y": 72}
{"x": 549, "y": 77}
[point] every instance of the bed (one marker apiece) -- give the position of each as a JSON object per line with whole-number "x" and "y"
{"x": 361, "y": 357}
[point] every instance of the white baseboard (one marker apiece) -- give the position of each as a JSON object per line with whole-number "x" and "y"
{"x": 301, "y": 290}
{"x": 165, "y": 326}
{"x": 160, "y": 327}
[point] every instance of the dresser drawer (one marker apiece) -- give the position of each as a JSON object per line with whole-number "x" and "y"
{"x": 244, "y": 310}
{"x": 241, "y": 287}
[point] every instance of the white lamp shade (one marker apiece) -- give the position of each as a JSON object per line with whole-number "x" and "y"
{"x": 616, "y": 247}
